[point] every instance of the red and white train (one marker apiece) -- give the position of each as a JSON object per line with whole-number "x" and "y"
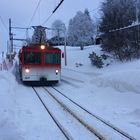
{"x": 40, "y": 63}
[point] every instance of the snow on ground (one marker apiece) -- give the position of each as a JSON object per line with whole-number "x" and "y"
{"x": 112, "y": 93}
{"x": 22, "y": 115}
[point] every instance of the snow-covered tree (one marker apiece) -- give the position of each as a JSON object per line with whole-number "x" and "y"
{"x": 80, "y": 29}
{"x": 58, "y": 28}
{"x": 58, "y": 33}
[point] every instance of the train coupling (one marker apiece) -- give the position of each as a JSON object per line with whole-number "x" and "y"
{"x": 43, "y": 79}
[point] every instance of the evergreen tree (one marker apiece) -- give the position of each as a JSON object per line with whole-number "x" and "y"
{"x": 118, "y": 14}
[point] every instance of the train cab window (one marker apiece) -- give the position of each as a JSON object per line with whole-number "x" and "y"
{"x": 52, "y": 58}
{"x": 32, "y": 58}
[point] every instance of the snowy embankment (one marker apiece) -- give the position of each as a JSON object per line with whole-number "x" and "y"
{"x": 122, "y": 81}
{"x": 120, "y": 76}
{"x": 8, "y": 126}
{"x": 112, "y": 92}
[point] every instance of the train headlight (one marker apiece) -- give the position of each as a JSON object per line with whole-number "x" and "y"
{"x": 56, "y": 71}
{"x": 27, "y": 70}
{"x": 42, "y": 47}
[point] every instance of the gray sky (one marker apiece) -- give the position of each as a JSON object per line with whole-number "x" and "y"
{"x": 21, "y": 11}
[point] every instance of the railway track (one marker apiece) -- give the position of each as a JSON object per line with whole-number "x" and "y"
{"x": 94, "y": 116}
{"x": 53, "y": 117}
{"x": 65, "y": 132}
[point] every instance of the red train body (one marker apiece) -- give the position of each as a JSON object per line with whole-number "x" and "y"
{"x": 40, "y": 63}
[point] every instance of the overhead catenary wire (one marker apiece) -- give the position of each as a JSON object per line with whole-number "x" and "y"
{"x": 57, "y": 6}
{"x": 38, "y": 4}
{"x": 53, "y": 11}
{"x": 47, "y": 18}
{"x": 3, "y": 24}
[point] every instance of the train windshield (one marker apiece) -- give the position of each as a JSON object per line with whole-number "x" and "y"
{"x": 52, "y": 58}
{"x": 32, "y": 58}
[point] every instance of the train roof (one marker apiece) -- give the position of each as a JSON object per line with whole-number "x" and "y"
{"x": 38, "y": 47}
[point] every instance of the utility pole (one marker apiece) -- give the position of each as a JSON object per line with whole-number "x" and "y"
{"x": 10, "y": 37}
{"x": 65, "y": 44}
{"x": 137, "y": 19}
{"x": 65, "y": 52}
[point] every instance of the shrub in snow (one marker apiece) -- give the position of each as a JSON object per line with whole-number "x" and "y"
{"x": 96, "y": 60}
{"x": 104, "y": 56}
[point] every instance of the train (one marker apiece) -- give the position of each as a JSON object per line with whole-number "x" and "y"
{"x": 40, "y": 63}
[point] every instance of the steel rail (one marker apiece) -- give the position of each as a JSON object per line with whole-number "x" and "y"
{"x": 97, "y": 117}
{"x": 54, "y": 119}
{"x": 88, "y": 127}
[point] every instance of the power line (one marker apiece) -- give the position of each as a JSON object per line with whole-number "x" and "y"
{"x": 58, "y": 6}
{"x": 3, "y": 23}
{"x": 53, "y": 11}
{"x": 35, "y": 12}
{"x": 47, "y": 18}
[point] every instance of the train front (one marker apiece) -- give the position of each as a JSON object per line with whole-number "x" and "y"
{"x": 40, "y": 63}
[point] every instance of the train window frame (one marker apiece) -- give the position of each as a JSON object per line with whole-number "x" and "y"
{"x": 37, "y": 56}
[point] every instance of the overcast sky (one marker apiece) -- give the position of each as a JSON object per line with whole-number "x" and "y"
{"x": 21, "y": 12}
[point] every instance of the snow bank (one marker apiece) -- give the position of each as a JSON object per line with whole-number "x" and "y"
{"x": 135, "y": 114}
{"x": 8, "y": 81}
{"x": 8, "y": 126}
{"x": 121, "y": 81}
